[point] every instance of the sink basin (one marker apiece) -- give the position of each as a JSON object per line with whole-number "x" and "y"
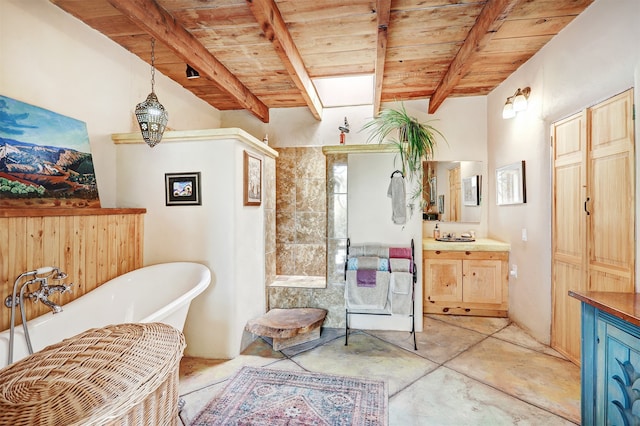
{"x": 456, "y": 239}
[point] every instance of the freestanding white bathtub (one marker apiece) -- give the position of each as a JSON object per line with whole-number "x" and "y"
{"x": 158, "y": 293}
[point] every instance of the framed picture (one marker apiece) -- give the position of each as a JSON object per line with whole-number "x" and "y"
{"x": 182, "y": 189}
{"x": 441, "y": 204}
{"x": 511, "y": 184}
{"x": 252, "y": 179}
{"x": 471, "y": 191}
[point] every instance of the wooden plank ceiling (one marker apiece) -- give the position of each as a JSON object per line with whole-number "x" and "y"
{"x": 261, "y": 54}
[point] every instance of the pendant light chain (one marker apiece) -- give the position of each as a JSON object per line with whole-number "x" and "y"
{"x": 151, "y": 115}
{"x": 153, "y": 63}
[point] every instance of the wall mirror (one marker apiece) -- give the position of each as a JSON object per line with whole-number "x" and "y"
{"x": 452, "y": 191}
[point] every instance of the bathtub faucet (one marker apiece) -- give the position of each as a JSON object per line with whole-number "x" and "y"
{"x": 37, "y": 276}
{"x": 45, "y": 290}
{"x": 42, "y": 294}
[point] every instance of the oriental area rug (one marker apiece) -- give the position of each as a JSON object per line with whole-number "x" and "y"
{"x": 260, "y": 396}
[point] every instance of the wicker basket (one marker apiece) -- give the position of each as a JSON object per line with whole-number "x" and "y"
{"x": 125, "y": 374}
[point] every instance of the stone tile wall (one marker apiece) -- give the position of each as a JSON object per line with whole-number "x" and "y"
{"x": 331, "y": 297}
{"x": 269, "y": 200}
{"x": 301, "y": 212}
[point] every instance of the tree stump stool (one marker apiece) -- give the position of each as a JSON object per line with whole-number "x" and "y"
{"x": 288, "y": 327}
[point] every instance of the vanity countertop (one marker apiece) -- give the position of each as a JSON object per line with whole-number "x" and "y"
{"x": 625, "y": 306}
{"x": 480, "y": 244}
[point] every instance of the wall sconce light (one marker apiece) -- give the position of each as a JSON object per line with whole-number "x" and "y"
{"x": 151, "y": 115}
{"x": 516, "y": 103}
{"x": 192, "y": 73}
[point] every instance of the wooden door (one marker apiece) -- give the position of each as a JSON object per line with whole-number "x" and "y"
{"x": 569, "y": 232}
{"x": 443, "y": 280}
{"x": 593, "y": 212}
{"x": 454, "y": 194}
{"x": 482, "y": 280}
{"x": 611, "y": 222}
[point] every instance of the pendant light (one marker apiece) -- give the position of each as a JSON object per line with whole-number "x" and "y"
{"x": 151, "y": 115}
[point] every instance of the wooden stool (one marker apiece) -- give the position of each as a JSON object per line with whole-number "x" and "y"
{"x": 288, "y": 327}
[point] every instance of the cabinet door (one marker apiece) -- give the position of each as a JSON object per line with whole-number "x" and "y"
{"x": 443, "y": 280}
{"x": 482, "y": 281}
{"x": 617, "y": 373}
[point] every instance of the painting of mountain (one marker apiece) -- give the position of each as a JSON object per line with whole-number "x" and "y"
{"x": 45, "y": 159}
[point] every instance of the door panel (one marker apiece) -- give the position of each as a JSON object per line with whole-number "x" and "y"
{"x": 593, "y": 211}
{"x": 482, "y": 281}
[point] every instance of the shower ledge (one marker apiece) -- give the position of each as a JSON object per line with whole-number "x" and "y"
{"x": 299, "y": 281}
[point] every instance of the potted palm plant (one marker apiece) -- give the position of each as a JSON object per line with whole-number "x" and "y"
{"x": 415, "y": 141}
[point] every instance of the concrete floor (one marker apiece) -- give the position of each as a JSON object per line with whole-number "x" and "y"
{"x": 466, "y": 371}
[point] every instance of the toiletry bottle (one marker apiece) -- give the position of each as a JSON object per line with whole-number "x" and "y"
{"x": 436, "y": 232}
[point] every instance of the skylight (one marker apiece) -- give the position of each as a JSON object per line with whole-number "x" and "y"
{"x": 345, "y": 91}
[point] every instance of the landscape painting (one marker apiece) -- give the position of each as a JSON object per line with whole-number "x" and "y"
{"x": 45, "y": 159}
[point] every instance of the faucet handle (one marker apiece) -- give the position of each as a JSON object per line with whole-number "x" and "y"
{"x": 67, "y": 288}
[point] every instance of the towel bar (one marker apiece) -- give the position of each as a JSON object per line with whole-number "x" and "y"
{"x": 382, "y": 312}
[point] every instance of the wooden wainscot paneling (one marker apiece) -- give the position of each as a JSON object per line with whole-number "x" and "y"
{"x": 91, "y": 245}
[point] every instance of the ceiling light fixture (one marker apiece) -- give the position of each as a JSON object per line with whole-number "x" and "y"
{"x": 151, "y": 115}
{"x": 192, "y": 73}
{"x": 516, "y": 103}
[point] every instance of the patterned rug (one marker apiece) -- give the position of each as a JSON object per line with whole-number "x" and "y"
{"x": 260, "y": 396}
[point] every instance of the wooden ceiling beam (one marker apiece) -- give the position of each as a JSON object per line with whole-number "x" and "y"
{"x": 162, "y": 26}
{"x": 383, "y": 11}
{"x": 275, "y": 30}
{"x": 489, "y": 21}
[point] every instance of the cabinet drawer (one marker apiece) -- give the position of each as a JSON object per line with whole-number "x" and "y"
{"x": 462, "y": 255}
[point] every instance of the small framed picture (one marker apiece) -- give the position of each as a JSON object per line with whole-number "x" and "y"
{"x": 182, "y": 189}
{"x": 471, "y": 191}
{"x": 252, "y": 179}
{"x": 511, "y": 185}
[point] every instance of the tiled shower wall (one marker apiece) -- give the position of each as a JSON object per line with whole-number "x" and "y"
{"x": 269, "y": 188}
{"x": 331, "y": 297}
{"x": 301, "y": 212}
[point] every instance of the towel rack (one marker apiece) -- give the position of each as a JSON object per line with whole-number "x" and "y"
{"x": 349, "y": 311}
{"x": 397, "y": 171}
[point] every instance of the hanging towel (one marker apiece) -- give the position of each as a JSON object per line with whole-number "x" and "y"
{"x": 368, "y": 262}
{"x": 357, "y": 297}
{"x": 401, "y": 300}
{"x": 400, "y": 252}
{"x": 366, "y": 277}
{"x": 398, "y": 199}
{"x": 401, "y": 282}
{"x": 400, "y": 265}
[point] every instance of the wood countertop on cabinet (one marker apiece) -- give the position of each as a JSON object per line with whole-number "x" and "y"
{"x": 625, "y": 306}
{"x": 63, "y": 211}
{"x": 480, "y": 244}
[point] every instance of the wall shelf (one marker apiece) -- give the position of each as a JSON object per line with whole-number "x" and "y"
{"x": 370, "y": 148}
{"x": 172, "y": 136}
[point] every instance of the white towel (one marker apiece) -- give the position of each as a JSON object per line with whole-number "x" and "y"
{"x": 367, "y": 297}
{"x": 400, "y": 265}
{"x": 401, "y": 282}
{"x": 401, "y": 293}
{"x": 398, "y": 199}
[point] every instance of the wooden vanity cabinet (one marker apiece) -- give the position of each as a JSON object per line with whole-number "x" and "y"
{"x": 466, "y": 282}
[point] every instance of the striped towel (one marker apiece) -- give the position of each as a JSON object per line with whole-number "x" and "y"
{"x": 367, "y": 262}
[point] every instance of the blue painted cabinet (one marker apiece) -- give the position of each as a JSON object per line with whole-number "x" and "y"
{"x": 610, "y": 369}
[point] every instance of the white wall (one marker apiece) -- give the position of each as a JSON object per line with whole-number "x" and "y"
{"x": 593, "y": 58}
{"x": 50, "y": 59}
{"x": 461, "y": 120}
{"x": 369, "y": 220}
{"x": 222, "y": 234}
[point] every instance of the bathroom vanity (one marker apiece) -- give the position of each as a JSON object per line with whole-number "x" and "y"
{"x": 466, "y": 278}
{"x": 610, "y": 363}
